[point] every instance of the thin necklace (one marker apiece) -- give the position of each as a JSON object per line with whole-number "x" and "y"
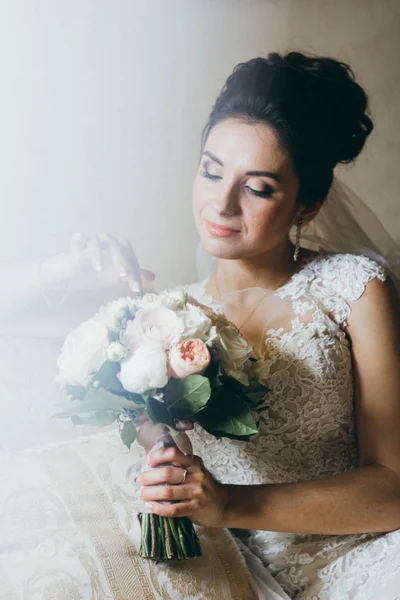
{"x": 273, "y": 290}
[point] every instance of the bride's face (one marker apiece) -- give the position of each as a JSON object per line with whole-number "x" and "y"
{"x": 245, "y": 190}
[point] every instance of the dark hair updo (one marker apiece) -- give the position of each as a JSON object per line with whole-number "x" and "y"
{"x": 313, "y": 103}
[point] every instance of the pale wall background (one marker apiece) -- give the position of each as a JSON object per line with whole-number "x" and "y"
{"x": 102, "y": 103}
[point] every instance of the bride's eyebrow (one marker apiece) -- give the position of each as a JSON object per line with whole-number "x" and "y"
{"x": 253, "y": 173}
{"x": 213, "y": 157}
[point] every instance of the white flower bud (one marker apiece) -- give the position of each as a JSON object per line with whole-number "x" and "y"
{"x": 115, "y": 352}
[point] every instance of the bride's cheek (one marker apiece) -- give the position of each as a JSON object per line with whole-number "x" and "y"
{"x": 272, "y": 221}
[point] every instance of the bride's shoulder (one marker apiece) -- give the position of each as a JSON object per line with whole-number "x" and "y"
{"x": 344, "y": 273}
{"x": 335, "y": 262}
{"x": 336, "y": 280}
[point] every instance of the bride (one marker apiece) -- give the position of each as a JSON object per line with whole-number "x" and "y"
{"x": 314, "y": 498}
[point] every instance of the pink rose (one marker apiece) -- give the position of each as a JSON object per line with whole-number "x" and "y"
{"x": 188, "y": 357}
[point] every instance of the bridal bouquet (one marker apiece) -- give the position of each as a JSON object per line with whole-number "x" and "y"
{"x": 168, "y": 360}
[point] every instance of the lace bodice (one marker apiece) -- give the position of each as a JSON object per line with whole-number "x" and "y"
{"x": 308, "y": 431}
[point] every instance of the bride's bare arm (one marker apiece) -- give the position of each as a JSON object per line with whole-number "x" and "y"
{"x": 21, "y": 282}
{"x": 92, "y": 271}
{"x": 364, "y": 499}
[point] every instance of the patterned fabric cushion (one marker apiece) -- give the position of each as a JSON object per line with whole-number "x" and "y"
{"x": 69, "y": 531}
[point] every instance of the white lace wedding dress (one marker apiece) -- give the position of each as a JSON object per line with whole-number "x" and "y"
{"x": 308, "y": 432}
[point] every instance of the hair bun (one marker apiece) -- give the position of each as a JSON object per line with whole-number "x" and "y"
{"x": 313, "y": 103}
{"x": 327, "y": 98}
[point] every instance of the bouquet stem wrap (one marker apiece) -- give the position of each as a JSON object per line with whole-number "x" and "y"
{"x": 165, "y": 538}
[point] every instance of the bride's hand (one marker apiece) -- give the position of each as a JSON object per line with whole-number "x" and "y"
{"x": 197, "y": 496}
{"x": 98, "y": 261}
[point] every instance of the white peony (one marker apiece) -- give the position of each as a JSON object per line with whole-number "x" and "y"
{"x": 115, "y": 312}
{"x": 145, "y": 369}
{"x": 233, "y": 352}
{"x": 196, "y": 323}
{"x": 149, "y": 300}
{"x": 115, "y": 352}
{"x": 83, "y": 353}
{"x": 172, "y": 299}
{"x": 157, "y": 325}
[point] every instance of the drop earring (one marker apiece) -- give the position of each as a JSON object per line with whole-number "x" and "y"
{"x": 298, "y": 236}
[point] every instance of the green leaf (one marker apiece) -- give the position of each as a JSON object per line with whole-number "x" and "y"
{"x": 185, "y": 397}
{"x": 128, "y": 433}
{"x": 76, "y": 391}
{"x": 229, "y": 416}
{"x": 158, "y": 413}
{"x": 113, "y": 336}
{"x": 100, "y": 418}
{"x": 216, "y": 375}
{"x": 101, "y": 400}
{"x": 107, "y": 377}
{"x": 256, "y": 395}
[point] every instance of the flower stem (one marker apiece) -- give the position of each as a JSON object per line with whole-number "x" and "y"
{"x": 166, "y": 538}
{"x": 169, "y": 541}
{"x": 175, "y": 534}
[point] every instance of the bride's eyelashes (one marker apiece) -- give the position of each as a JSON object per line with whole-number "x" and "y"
{"x": 267, "y": 192}
{"x": 211, "y": 176}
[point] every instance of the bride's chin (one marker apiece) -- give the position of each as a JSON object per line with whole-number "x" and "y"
{"x": 219, "y": 249}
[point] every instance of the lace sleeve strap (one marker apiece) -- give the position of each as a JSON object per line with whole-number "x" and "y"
{"x": 345, "y": 278}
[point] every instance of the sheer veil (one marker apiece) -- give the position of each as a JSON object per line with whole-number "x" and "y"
{"x": 344, "y": 224}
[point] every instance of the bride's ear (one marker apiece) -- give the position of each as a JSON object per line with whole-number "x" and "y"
{"x": 307, "y": 214}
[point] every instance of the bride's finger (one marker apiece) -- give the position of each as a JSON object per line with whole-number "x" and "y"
{"x": 168, "y": 475}
{"x": 171, "y": 455}
{"x": 124, "y": 260}
{"x": 146, "y": 275}
{"x": 78, "y": 242}
{"x": 179, "y": 509}
{"x": 125, "y": 243}
{"x": 94, "y": 251}
{"x": 167, "y": 493}
{"x": 121, "y": 262}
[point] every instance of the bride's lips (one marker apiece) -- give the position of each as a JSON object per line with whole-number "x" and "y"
{"x": 219, "y": 230}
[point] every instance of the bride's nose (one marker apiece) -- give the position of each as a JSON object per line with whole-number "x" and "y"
{"x": 226, "y": 201}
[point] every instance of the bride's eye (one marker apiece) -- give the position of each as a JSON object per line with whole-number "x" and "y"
{"x": 265, "y": 193}
{"x": 207, "y": 174}
{"x": 210, "y": 175}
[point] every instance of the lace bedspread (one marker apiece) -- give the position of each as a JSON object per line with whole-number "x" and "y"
{"x": 308, "y": 432}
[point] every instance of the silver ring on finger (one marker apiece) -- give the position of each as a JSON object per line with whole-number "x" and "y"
{"x": 185, "y": 473}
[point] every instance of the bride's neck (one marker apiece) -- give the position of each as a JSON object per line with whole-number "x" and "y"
{"x": 270, "y": 270}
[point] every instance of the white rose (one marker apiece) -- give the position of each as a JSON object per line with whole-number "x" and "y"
{"x": 157, "y": 325}
{"x": 115, "y": 352}
{"x": 258, "y": 371}
{"x": 233, "y": 352}
{"x": 212, "y": 336}
{"x": 174, "y": 299}
{"x": 196, "y": 323}
{"x": 145, "y": 369}
{"x": 83, "y": 353}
